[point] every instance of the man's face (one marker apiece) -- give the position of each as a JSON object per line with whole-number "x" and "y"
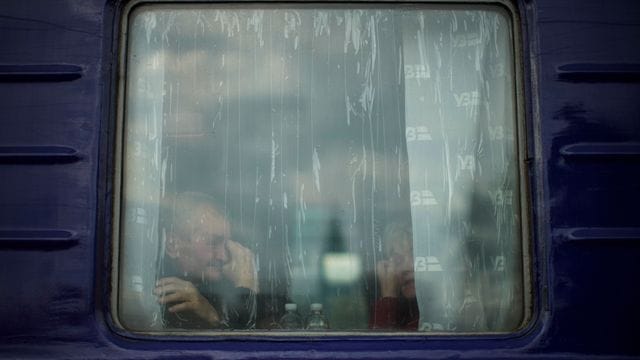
{"x": 201, "y": 244}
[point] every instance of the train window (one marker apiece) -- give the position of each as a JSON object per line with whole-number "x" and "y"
{"x": 315, "y": 168}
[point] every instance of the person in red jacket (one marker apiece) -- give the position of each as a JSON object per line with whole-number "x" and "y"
{"x": 397, "y": 307}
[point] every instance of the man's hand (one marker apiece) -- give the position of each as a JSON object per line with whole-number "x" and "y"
{"x": 241, "y": 268}
{"x": 185, "y": 298}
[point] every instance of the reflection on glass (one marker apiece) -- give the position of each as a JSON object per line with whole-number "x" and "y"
{"x": 360, "y": 159}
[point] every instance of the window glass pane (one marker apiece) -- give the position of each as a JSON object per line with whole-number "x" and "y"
{"x": 357, "y": 157}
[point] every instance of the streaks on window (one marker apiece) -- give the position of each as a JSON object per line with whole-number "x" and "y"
{"x": 358, "y": 154}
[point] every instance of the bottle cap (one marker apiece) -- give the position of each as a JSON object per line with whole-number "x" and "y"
{"x": 316, "y": 307}
{"x": 290, "y": 307}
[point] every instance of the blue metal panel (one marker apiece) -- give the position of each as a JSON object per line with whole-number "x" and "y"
{"x": 589, "y": 126}
{"x": 57, "y": 64}
{"x": 50, "y": 85}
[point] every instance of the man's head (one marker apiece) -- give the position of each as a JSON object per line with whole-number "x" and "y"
{"x": 197, "y": 235}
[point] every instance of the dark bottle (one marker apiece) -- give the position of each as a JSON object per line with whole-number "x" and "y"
{"x": 342, "y": 281}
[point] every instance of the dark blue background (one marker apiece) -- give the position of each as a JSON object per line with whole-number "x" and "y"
{"x": 581, "y": 65}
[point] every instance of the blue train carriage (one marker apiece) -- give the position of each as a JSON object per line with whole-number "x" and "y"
{"x": 319, "y": 179}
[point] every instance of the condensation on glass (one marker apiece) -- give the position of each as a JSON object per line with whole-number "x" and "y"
{"x": 360, "y": 157}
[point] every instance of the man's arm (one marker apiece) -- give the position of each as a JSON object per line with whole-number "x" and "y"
{"x": 241, "y": 272}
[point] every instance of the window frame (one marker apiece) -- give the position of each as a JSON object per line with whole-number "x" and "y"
{"x": 523, "y": 179}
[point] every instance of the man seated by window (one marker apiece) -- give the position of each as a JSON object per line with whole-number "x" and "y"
{"x": 207, "y": 280}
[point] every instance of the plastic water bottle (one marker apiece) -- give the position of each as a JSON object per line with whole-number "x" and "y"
{"x": 290, "y": 320}
{"x": 316, "y": 320}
